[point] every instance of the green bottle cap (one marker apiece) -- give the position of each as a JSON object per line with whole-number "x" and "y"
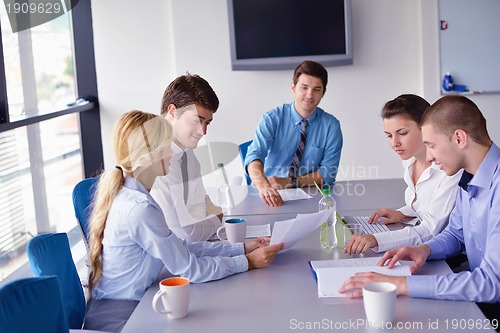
{"x": 220, "y": 165}
{"x": 326, "y": 191}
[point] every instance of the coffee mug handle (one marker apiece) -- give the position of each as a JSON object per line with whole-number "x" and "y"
{"x": 219, "y": 230}
{"x": 158, "y": 296}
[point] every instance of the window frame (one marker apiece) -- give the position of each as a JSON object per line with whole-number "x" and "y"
{"x": 86, "y": 82}
{"x": 89, "y": 113}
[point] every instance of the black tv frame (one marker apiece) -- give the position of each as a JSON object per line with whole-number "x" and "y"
{"x": 280, "y": 63}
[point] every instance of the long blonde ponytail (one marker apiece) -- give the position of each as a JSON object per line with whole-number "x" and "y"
{"x": 138, "y": 139}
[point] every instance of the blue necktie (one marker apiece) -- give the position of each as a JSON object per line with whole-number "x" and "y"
{"x": 300, "y": 150}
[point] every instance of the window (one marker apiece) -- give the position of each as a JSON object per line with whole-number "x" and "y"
{"x": 39, "y": 66}
{"x": 43, "y": 134}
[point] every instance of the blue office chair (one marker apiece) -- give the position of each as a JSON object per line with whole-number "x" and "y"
{"x": 50, "y": 254}
{"x": 243, "y": 148}
{"x": 83, "y": 194}
{"x": 32, "y": 305}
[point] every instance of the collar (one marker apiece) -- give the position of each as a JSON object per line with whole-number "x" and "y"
{"x": 134, "y": 184}
{"x": 176, "y": 151}
{"x": 297, "y": 118}
{"x": 427, "y": 172}
{"x": 484, "y": 175}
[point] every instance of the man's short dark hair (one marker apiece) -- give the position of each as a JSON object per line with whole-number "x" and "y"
{"x": 189, "y": 89}
{"x": 311, "y": 68}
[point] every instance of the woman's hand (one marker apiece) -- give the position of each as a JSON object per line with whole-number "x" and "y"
{"x": 263, "y": 256}
{"x": 256, "y": 243}
{"x": 391, "y": 215}
{"x": 360, "y": 244}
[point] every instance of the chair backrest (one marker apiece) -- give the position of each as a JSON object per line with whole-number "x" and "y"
{"x": 32, "y": 305}
{"x": 83, "y": 194}
{"x": 50, "y": 254}
{"x": 243, "y": 148}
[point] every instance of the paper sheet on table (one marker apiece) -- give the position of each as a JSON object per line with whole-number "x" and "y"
{"x": 254, "y": 231}
{"x": 290, "y": 194}
{"x": 332, "y": 273}
{"x": 291, "y": 231}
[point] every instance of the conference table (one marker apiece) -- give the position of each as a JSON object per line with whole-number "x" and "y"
{"x": 283, "y": 297}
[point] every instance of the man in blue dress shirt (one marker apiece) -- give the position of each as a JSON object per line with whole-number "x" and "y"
{"x": 280, "y": 131}
{"x": 454, "y": 132}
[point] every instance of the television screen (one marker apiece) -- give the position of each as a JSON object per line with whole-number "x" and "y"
{"x": 279, "y": 34}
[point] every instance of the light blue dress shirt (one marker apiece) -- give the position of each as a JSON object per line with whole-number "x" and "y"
{"x": 277, "y": 138}
{"x": 474, "y": 226}
{"x": 137, "y": 244}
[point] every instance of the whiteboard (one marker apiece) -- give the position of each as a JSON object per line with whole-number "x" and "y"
{"x": 469, "y": 37}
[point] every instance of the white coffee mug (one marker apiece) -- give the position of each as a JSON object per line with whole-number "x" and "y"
{"x": 379, "y": 299}
{"x": 236, "y": 230}
{"x": 174, "y": 293}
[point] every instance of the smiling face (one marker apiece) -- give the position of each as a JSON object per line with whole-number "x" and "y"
{"x": 308, "y": 92}
{"x": 404, "y": 136}
{"x": 190, "y": 125}
{"x": 442, "y": 150}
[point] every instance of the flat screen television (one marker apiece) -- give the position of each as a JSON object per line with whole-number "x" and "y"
{"x": 279, "y": 34}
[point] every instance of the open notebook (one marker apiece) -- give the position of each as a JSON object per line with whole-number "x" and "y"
{"x": 330, "y": 274}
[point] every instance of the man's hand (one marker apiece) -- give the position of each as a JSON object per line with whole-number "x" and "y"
{"x": 269, "y": 195}
{"x": 280, "y": 183}
{"x": 213, "y": 209}
{"x": 353, "y": 287}
{"x": 418, "y": 254}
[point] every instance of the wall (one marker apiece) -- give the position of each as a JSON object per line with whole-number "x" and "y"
{"x": 140, "y": 49}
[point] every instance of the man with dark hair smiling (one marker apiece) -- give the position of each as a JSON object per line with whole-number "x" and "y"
{"x": 296, "y": 144}
{"x": 189, "y": 104}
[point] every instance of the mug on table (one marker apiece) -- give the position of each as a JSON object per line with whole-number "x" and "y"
{"x": 174, "y": 294}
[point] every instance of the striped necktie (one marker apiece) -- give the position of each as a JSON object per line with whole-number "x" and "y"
{"x": 184, "y": 172}
{"x": 300, "y": 150}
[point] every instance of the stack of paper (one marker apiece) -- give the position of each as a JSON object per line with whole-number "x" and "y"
{"x": 331, "y": 274}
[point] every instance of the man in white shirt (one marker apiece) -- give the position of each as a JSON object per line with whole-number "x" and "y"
{"x": 188, "y": 104}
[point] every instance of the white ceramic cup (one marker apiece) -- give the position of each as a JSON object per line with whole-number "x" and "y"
{"x": 236, "y": 230}
{"x": 350, "y": 229}
{"x": 174, "y": 293}
{"x": 380, "y": 303}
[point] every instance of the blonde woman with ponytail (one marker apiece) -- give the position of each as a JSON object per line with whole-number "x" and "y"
{"x": 130, "y": 243}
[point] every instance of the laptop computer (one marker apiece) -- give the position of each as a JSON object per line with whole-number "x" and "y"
{"x": 368, "y": 228}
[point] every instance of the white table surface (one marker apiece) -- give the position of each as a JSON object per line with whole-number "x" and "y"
{"x": 364, "y": 195}
{"x": 284, "y": 296}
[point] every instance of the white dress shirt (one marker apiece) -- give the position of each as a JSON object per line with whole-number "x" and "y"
{"x": 430, "y": 201}
{"x": 137, "y": 244}
{"x": 194, "y": 223}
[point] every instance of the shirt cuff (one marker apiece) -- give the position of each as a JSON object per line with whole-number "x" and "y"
{"x": 422, "y": 286}
{"x": 236, "y": 249}
{"x": 406, "y": 210}
{"x": 241, "y": 263}
{"x": 383, "y": 241}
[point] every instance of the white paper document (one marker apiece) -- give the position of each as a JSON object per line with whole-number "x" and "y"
{"x": 291, "y": 231}
{"x": 254, "y": 231}
{"x": 290, "y": 194}
{"x": 331, "y": 274}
